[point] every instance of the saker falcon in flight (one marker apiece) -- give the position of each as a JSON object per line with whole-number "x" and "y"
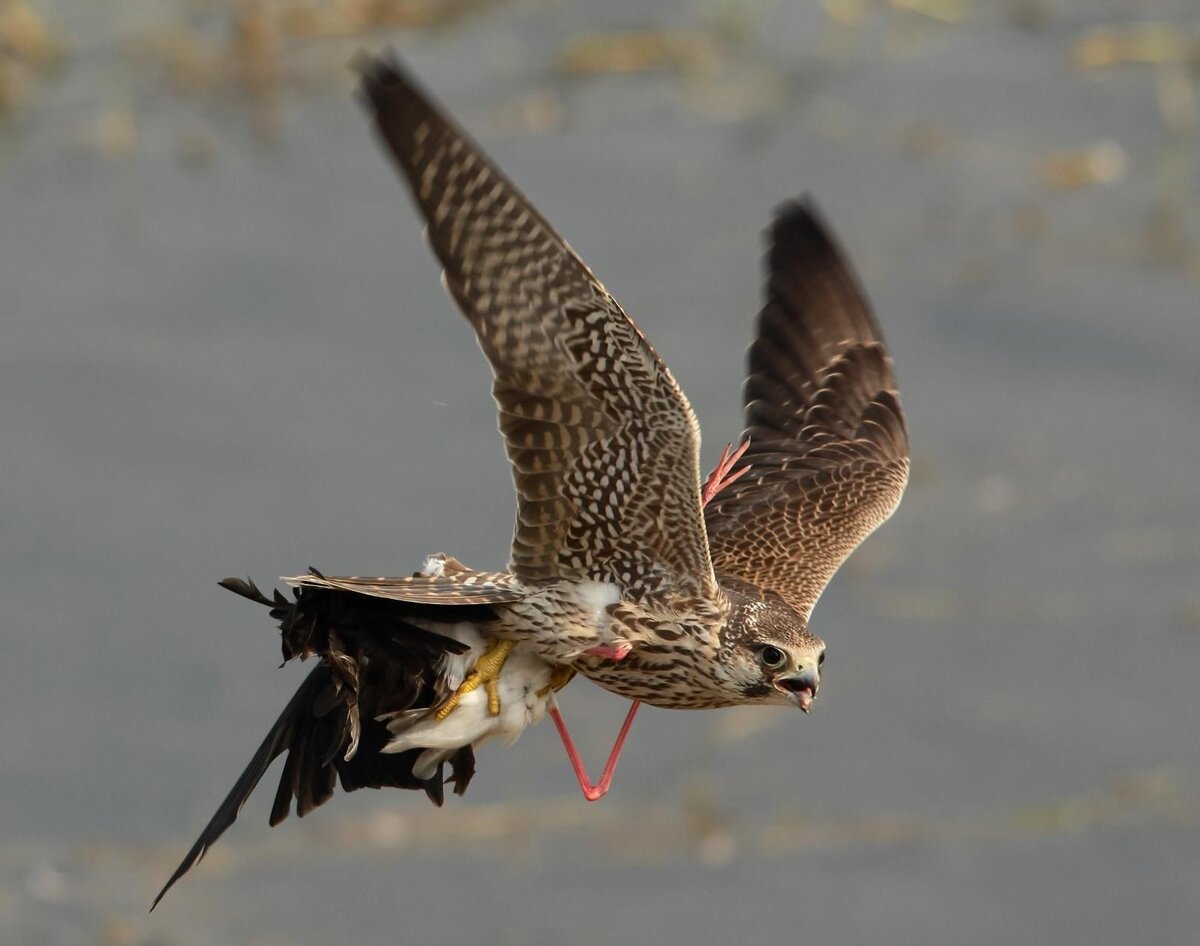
{"x": 625, "y": 566}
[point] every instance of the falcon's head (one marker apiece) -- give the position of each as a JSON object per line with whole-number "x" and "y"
{"x": 769, "y": 655}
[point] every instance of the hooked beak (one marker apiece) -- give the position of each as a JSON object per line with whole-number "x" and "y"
{"x": 801, "y": 687}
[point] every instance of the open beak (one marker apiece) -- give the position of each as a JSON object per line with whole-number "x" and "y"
{"x": 801, "y": 687}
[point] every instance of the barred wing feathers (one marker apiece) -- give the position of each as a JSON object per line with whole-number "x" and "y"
{"x": 603, "y": 444}
{"x": 443, "y": 580}
{"x": 828, "y": 450}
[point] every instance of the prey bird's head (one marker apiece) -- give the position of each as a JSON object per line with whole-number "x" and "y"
{"x": 768, "y": 653}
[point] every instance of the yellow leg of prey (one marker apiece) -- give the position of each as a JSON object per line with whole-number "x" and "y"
{"x": 486, "y": 673}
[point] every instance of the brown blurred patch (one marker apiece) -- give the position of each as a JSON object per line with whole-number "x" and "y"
{"x": 185, "y": 58}
{"x": 944, "y": 11}
{"x": 1187, "y": 616}
{"x": 27, "y": 47}
{"x": 536, "y": 113}
{"x": 1176, "y": 98}
{"x": 1102, "y": 163}
{"x": 924, "y": 140}
{"x": 14, "y": 87}
{"x": 1150, "y": 42}
{"x": 114, "y": 132}
{"x": 846, "y": 12}
{"x": 255, "y": 50}
{"x": 305, "y": 19}
{"x": 687, "y": 51}
{"x": 25, "y": 36}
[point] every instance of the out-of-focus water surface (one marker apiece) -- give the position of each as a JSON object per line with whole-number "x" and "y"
{"x": 224, "y": 350}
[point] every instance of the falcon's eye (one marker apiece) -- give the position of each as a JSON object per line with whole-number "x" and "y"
{"x": 772, "y": 657}
{"x": 821, "y": 660}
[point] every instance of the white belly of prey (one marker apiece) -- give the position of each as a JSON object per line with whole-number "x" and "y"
{"x": 525, "y": 694}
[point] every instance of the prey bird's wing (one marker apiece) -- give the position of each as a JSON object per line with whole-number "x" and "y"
{"x": 311, "y": 735}
{"x": 603, "y": 444}
{"x": 828, "y": 450}
{"x": 375, "y": 664}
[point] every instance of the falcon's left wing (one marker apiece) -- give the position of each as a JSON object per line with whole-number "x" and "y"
{"x": 444, "y": 580}
{"x": 828, "y": 452}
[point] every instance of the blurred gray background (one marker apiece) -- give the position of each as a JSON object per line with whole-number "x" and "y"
{"x": 224, "y": 350}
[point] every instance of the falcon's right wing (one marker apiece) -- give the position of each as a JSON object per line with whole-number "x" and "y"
{"x": 603, "y": 444}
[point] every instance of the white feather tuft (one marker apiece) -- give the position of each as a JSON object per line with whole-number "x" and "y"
{"x": 434, "y": 567}
{"x": 597, "y": 596}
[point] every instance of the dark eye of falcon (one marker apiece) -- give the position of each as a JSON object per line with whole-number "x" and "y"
{"x": 772, "y": 657}
{"x": 821, "y": 660}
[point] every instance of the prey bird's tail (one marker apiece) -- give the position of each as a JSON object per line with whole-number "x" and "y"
{"x": 375, "y": 664}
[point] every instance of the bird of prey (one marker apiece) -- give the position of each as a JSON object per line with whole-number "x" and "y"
{"x": 626, "y": 567}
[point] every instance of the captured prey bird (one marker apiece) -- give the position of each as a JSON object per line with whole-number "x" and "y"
{"x": 626, "y": 567}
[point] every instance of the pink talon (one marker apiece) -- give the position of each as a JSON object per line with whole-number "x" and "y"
{"x": 720, "y": 477}
{"x": 615, "y": 651}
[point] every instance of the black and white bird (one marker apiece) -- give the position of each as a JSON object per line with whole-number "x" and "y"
{"x": 626, "y": 567}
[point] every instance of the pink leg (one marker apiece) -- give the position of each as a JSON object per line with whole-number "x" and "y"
{"x": 717, "y": 481}
{"x": 600, "y": 789}
{"x": 720, "y": 477}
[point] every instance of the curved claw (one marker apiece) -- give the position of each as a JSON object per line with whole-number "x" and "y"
{"x": 618, "y": 650}
{"x": 721, "y": 477}
{"x": 486, "y": 674}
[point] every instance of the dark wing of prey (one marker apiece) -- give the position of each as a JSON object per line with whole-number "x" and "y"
{"x": 828, "y": 451}
{"x": 373, "y": 662}
{"x": 604, "y": 446}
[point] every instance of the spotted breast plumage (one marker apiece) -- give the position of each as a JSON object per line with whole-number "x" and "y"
{"x": 627, "y": 567}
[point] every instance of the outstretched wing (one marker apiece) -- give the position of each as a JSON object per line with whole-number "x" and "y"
{"x": 828, "y": 450}
{"x": 603, "y": 444}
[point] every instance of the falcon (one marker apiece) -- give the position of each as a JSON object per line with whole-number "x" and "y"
{"x": 626, "y": 568}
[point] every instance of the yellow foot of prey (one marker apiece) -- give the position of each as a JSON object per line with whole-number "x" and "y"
{"x": 486, "y": 673}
